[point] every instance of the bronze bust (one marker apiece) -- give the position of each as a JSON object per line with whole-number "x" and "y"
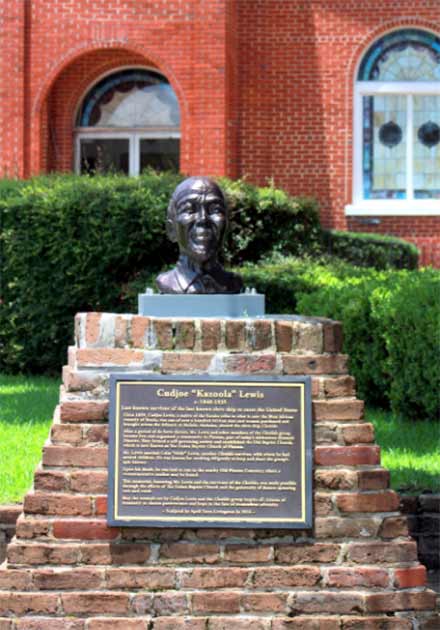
{"x": 197, "y": 220}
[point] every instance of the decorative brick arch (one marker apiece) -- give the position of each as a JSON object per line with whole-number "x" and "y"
{"x": 96, "y": 60}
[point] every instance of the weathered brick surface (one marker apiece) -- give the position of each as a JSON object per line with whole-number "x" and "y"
{"x": 355, "y": 568}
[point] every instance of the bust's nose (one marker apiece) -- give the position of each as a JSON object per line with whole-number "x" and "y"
{"x": 202, "y": 213}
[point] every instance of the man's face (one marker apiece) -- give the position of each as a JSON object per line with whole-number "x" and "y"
{"x": 200, "y": 220}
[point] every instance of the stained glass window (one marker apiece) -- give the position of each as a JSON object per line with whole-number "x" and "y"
{"x": 398, "y": 93}
{"x": 127, "y": 122}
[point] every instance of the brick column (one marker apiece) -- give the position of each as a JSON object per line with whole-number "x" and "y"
{"x": 356, "y": 568}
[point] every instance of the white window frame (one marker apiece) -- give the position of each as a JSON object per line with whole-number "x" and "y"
{"x": 390, "y": 207}
{"x": 134, "y": 137}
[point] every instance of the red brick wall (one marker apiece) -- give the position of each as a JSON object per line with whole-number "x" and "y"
{"x": 265, "y": 87}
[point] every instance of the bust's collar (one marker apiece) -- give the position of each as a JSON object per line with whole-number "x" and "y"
{"x": 187, "y": 275}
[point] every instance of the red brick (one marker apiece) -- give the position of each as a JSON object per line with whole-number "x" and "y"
{"x": 40, "y": 553}
{"x": 376, "y": 623}
{"x": 49, "y": 623}
{"x": 333, "y": 336}
{"x": 28, "y": 527}
{"x": 341, "y": 386}
{"x": 385, "y": 501}
{"x": 393, "y": 527}
{"x": 231, "y": 577}
{"x": 334, "y": 527}
{"x": 179, "y": 623}
{"x": 315, "y": 364}
{"x": 83, "y": 410}
{"x": 250, "y": 363}
{"x": 185, "y": 362}
{"x": 373, "y": 479}
{"x": 348, "y": 577}
{"x": 93, "y": 321}
{"x": 115, "y": 553}
{"x": 101, "y": 505}
{"x": 123, "y": 623}
{"x": 235, "y": 332}
{"x": 248, "y": 553}
{"x": 385, "y": 552}
{"x": 139, "y": 331}
{"x": 92, "y": 481}
{"x": 21, "y": 603}
{"x": 264, "y": 602}
{"x": 338, "y": 602}
{"x": 96, "y": 434}
{"x": 306, "y": 553}
{"x": 237, "y": 623}
{"x": 216, "y": 602}
{"x": 410, "y": 577}
{"x": 84, "y": 529}
{"x": 185, "y": 335}
{"x": 84, "y": 457}
{"x": 97, "y": 357}
{"x": 150, "y": 578}
{"x": 285, "y": 577}
{"x": 15, "y": 580}
{"x": 338, "y": 409}
{"x": 66, "y": 434}
{"x": 170, "y": 603}
{"x": 61, "y": 504}
{"x": 54, "y": 580}
{"x": 190, "y": 553}
{"x": 211, "y": 334}
{"x": 262, "y": 335}
{"x": 338, "y": 479}
{"x": 306, "y": 623}
{"x": 405, "y": 600}
{"x": 85, "y": 603}
{"x": 346, "y": 455}
{"x": 358, "y": 433}
{"x": 163, "y": 332}
{"x": 284, "y": 335}
{"x": 322, "y": 504}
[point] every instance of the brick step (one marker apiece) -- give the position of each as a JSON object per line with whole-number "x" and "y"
{"x": 31, "y": 553}
{"x": 267, "y": 578}
{"x": 90, "y": 602}
{"x": 309, "y": 622}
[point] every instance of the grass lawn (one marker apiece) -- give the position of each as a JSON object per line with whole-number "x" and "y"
{"x": 411, "y": 451}
{"x": 26, "y": 409}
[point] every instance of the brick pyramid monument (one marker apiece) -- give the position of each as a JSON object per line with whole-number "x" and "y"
{"x": 67, "y": 570}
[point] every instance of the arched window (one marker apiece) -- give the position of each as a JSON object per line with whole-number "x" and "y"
{"x": 397, "y": 126}
{"x": 127, "y": 122}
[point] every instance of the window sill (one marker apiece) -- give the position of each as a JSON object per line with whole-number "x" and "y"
{"x": 377, "y": 207}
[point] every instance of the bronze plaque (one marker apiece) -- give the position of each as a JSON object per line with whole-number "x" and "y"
{"x": 210, "y": 451}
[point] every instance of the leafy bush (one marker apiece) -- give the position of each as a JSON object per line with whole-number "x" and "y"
{"x": 391, "y": 323}
{"x": 371, "y": 250}
{"x": 72, "y": 244}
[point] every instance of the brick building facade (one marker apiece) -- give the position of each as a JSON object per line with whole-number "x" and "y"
{"x": 265, "y": 89}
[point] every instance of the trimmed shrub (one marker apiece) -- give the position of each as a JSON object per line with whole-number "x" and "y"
{"x": 72, "y": 244}
{"x": 371, "y": 250}
{"x": 391, "y": 323}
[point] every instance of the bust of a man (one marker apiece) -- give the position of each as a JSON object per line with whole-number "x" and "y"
{"x": 197, "y": 220}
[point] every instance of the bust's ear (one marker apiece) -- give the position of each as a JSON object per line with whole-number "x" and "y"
{"x": 171, "y": 230}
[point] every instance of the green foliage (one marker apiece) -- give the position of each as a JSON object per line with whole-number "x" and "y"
{"x": 72, "y": 244}
{"x": 371, "y": 250}
{"x": 390, "y": 318}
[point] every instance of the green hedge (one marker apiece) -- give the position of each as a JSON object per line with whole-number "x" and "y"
{"x": 371, "y": 250}
{"x": 391, "y": 324}
{"x": 72, "y": 244}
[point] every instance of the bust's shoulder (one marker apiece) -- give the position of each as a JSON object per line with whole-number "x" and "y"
{"x": 167, "y": 282}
